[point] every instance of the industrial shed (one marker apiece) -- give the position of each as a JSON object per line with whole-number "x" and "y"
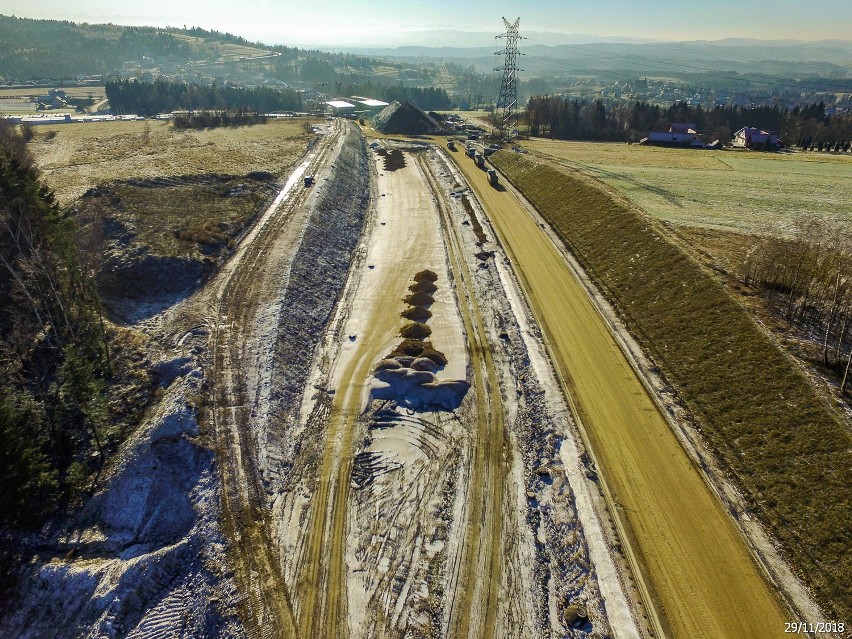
{"x": 340, "y": 107}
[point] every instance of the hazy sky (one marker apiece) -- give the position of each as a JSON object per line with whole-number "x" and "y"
{"x": 378, "y": 22}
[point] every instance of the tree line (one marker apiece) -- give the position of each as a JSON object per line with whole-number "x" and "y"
{"x": 215, "y": 119}
{"x": 811, "y": 277}
{"x": 564, "y": 118}
{"x": 164, "y": 96}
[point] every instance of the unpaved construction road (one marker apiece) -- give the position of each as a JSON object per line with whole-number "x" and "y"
{"x": 423, "y": 427}
{"x": 370, "y": 491}
{"x": 701, "y": 576}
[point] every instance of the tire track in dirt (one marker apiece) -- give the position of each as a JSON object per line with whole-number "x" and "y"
{"x": 482, "y": 556}
{"x": 235, "y": 294}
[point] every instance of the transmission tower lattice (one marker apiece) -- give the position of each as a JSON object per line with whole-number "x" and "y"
{"x": 507, "y": 102}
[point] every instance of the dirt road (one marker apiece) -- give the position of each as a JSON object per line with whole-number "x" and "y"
{"x": 248, "y": 283}
{"x": 358, "y": 501}
{"x": 394, "y": 257}
{"x": 482, "y": 556}
{"x": 700, "y": 574}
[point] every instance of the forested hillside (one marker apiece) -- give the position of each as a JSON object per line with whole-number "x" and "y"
{"x": 67, "y": 396}
{"x": 35, "y": 49}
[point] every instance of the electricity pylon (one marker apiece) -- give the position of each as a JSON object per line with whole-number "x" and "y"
{"x": 507, "y": 102}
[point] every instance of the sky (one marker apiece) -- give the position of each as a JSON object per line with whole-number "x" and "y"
{"x": 339, "y": 23}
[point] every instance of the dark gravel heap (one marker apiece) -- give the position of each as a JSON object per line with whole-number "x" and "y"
{"x": 404, "y": 119}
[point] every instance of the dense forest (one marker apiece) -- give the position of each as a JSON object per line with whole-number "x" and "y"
{"x": 66, "y": 399}
{"x": 163, "y": 96}
{"x": 566, "y": 119}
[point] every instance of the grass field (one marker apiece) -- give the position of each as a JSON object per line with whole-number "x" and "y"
{"x": 228, "y": 51}
{"x": 739, "y": 191}
{"x": 75, "y": 157}
{"x": 781, "y": 442}
{"x": 198, "y": 212}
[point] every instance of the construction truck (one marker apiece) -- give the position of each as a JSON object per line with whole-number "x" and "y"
{"x": 492, "y": 177}
{"x": 480, "y": 160}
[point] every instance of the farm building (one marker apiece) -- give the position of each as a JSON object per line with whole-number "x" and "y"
{"x": 752, "y": 138}
{"x": 55, "y": 99}
{"x": 683, "y": 134}
{"x": 340, "y": 107}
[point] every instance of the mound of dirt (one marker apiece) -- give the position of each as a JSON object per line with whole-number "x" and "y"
{"x": 415, "y": 330}
{"x": 406, "y": 119}
{"x": 419, "y": 299}
{"x": 417, "y": 314}
{"x": 393, "y": 159}
{"x": 415, "y": 348}
{"x": 427, "y": 275}
{"x": 424, "y": 286}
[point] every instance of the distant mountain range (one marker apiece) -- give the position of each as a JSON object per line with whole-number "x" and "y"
{"x": 550, "y": 54}
{"x": 50, "y": 50}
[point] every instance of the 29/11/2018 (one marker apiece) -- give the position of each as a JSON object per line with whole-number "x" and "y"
{"x": 802, "y": 627}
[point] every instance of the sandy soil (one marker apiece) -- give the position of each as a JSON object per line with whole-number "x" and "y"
{"x": 418, "y": 520}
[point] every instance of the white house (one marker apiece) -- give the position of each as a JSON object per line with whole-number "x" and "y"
{"x": 752, "y": 138}
{"x": 677, "y": 135}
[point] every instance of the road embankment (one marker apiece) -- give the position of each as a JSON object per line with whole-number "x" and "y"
{"x": 701, "y": 576}
{"x": 785, "y": 448}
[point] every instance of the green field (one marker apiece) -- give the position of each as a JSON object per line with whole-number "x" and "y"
{"x": 739, "y": 191}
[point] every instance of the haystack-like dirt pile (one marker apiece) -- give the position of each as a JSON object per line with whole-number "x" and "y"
{"x": 405, "y": 119}
{"x": 417, "y": 313}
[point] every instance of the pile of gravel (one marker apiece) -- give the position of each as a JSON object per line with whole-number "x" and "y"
{"x": 405, "y": 119}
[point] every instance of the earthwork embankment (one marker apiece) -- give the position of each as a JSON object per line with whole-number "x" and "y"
{"x": 702, "y": 578}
